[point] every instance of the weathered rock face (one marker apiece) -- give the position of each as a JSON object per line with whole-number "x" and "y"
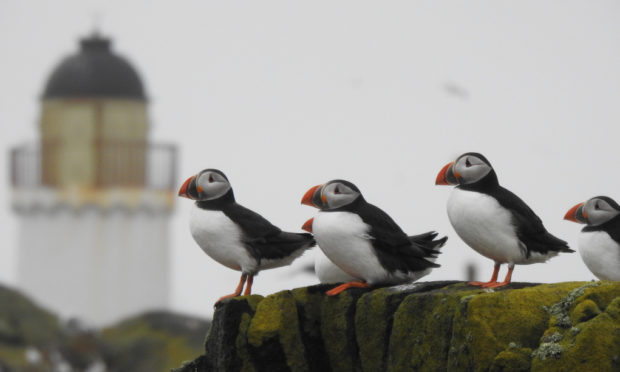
{"x": 432, "y": 326}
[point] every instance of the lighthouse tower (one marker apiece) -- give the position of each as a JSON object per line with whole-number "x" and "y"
{"x": 93, "y": 195}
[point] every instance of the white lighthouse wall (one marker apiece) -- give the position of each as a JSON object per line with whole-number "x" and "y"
{"x": 95, "y": 264}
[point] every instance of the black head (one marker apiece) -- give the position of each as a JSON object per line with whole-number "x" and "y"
{"x": 594, "y": 212}
{"x": 468, "y": 169}
{"x": 208, "y": 185}
{"x": 339, "y": 193}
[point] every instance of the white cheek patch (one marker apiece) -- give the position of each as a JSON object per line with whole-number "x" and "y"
{"x": 474, "y": 173}
{"x": 600, "y": 216}
{"x": 216, "y": 190}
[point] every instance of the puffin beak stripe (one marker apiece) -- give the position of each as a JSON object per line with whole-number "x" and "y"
{"x": 443, "y": 175}
{"x": 307, "y": 226}
{"x": 307, "y": 198}
{"x": 576, "y": 214}
{"x": 183, "y": 191}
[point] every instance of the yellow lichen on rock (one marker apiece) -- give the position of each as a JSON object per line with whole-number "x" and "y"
{"x": 336, "y": 327}
{"x": 592, "y": 341}
{"x": 489, "y": 322}
{"x": 275, "y": 327}
{"x": 420, "y": 318}
{"x": 426, "y": 326}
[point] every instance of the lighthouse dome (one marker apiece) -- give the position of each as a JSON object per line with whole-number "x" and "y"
{"x": 95, "y": 71}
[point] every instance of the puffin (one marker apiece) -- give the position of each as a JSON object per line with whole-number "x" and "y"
{"x": 492, "y": 220}
{"x": 235, "y": 236}
{"x": 324, "y": 268}
{"x": 364, "y": 241}
{"x": 599, "y": 240}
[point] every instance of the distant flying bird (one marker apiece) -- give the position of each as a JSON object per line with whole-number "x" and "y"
{"x": 492, "y": 220}
{"x": 456, "y": 90}
{"x": 364, "y": 241}
{"x": 235, "y": 236}
{"x": 599, "y": 241}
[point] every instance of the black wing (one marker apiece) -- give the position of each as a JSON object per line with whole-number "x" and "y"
{"x": 426, "y": 242}
{"x": 394, "y": 248}
{"x": 282, "y": 245}
{"x": 263, "y": 239}
{"x": 530, "y": 229}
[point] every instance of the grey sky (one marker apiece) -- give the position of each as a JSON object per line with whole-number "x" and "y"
{"x": 285, "y": 95}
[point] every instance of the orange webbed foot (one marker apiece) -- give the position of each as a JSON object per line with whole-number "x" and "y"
{"x": 345, "y": 286}
{"x": 232, "y": 295}
{"x": 496, "y": 285}
{"x": 480, "y": 284}
{"x": 238, "y": 290}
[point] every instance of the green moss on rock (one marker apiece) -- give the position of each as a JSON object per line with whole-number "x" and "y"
{"x": 431, "y": 326}
{"x": 154, "y": 341}
{"x": 585, "y": 310}
{"x": 613, "y": 309}
{"x": 489, "y": 322}
{"x": 274, "y": 332}
{"x": 338, "y": 330}
{"x": 309, "y": 301}
{"x": 223, "y": 349}
{"x": 420, "y": 318}
{"x": 595, "y": 345}
{"x": 23, "y": 322}
{"x": 373, "y": 324}
{"x": 241, "y": 344}
{"x": 513, "y": 359}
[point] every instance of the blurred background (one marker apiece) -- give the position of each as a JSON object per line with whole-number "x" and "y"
{"x": 106, "y": 107}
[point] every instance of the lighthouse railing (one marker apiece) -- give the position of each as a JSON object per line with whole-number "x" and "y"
{"x": 102, "y": 165}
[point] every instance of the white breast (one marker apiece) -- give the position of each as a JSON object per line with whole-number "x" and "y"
{"x": 220, "y": 238}
{"x": 485, "y": 226}
{"x": 601, "y": 254}
{"x": 344, "y": 239}
{"x": 327, "y": 271}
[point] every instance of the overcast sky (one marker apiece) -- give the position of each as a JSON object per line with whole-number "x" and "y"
{"x": 285, "y": 95}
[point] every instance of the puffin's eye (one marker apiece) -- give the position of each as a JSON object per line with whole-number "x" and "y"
{"x": 210, "y": 178}
{"x": 467, "y": 163}
{"x": 336, "y": 190}
{"x": 596, "y": 206}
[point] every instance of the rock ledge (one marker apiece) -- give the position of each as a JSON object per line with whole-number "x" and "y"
{"x": 426, "y": 326}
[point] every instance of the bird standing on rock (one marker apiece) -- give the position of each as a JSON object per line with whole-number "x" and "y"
{"x": 324, "y": 268}
{"x": 492, "y": 220}
{"x": 235, "y": 236}
{"x": 599, "y": 241}
{"x": 364, "y": 241}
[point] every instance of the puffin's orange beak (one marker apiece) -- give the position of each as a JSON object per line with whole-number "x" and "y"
{"x": 446, "y": 175}
{"x": 183, "y": 190}
{"x": 576, "y": 214}
{"x": 307, "y": 199}
{"x": 308, "y": 225}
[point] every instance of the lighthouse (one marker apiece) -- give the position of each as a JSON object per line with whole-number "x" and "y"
{"x": 93, "y": 195}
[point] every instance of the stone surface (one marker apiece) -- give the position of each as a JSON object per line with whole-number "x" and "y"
{"x": 427, "y": 326}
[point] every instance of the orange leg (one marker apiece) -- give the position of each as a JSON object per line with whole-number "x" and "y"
{"x": 237, "y": 291}
{"x": 342, "y": 287}
{"x": 490, "y": 282}
{"x": 506, "y": 280}
{"x": 248, "y": 288}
